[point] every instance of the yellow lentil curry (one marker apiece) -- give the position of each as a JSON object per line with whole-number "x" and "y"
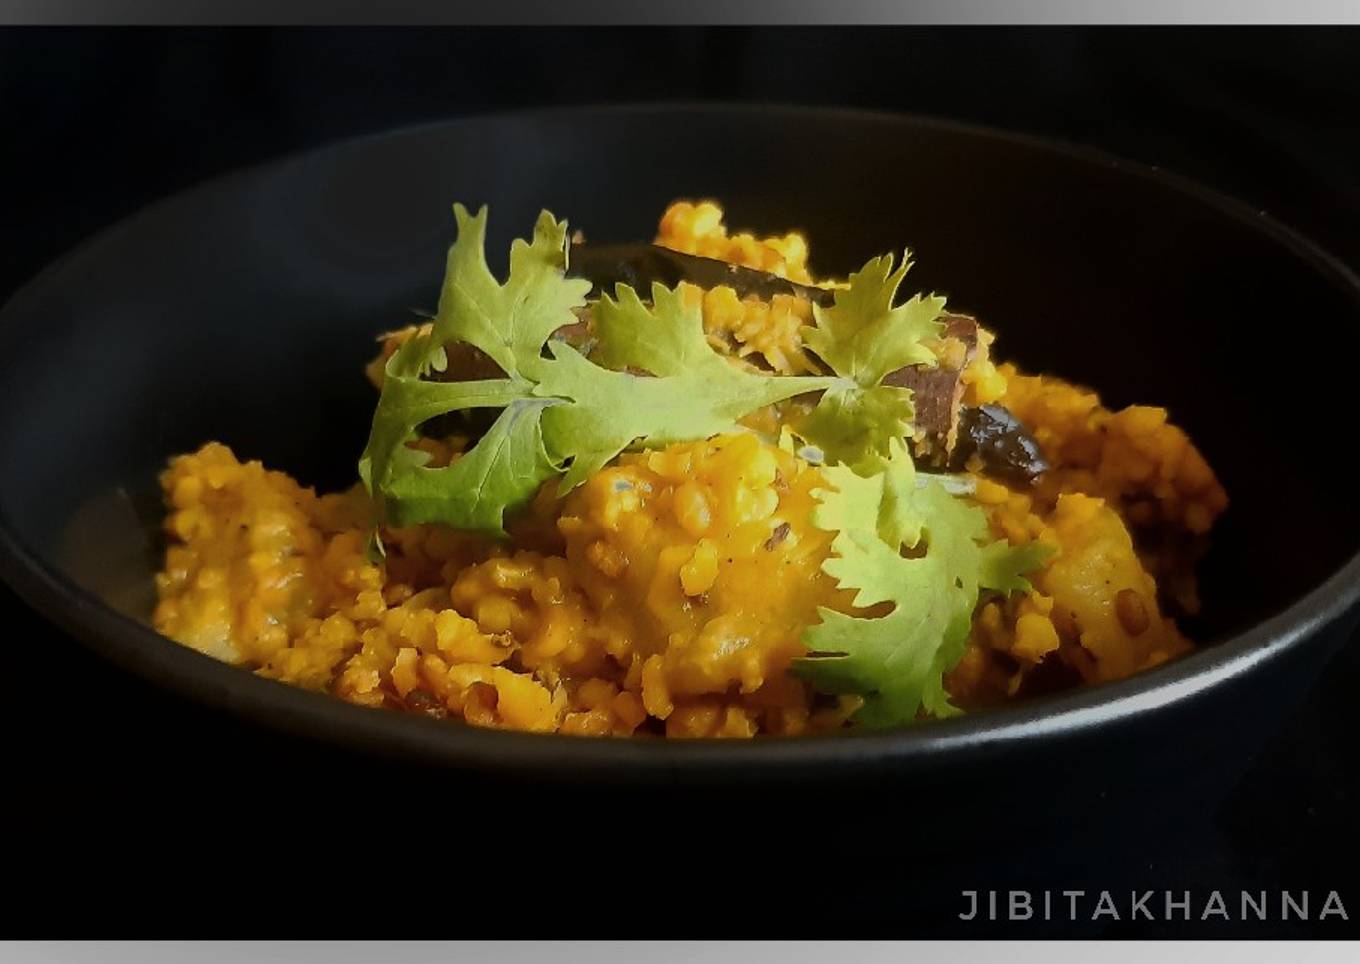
{"x": 702, "y": 510}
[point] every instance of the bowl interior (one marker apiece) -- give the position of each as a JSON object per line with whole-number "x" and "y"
{"x": 244, "y": 310}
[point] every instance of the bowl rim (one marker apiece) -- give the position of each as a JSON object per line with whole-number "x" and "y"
{"x": 139, "y": 649}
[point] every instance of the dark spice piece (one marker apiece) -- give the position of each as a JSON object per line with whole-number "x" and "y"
{"x": 950, "y": 434}
{"x": 426, "y": 703}
{"x": 638, "y": 265}
{"x": 937, "y": 392}
{"x": 1000, "y": 442}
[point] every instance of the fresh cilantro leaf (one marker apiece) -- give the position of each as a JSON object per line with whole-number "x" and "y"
{"x": 504, "y": 469}
{"x": 665, "y": 339}
{"x": 564, "y": 413}
{"x": 406, "y": 402}
{"x": 691, "y": 392}
{"x": 864, "y": 337}
{"x": 1003, "y": 566}
{"x": 852, "y": 425}
{"x": 924, "y": 553}
{"x": 508, "y": 322}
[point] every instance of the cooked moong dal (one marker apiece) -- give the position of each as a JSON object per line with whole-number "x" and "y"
{"x": 773, "y": 505}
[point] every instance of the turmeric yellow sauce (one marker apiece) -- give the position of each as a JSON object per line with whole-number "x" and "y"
{"x": 670, "y": 593}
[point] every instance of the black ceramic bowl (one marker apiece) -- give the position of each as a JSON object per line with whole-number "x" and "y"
{"x": 244, "y": 309}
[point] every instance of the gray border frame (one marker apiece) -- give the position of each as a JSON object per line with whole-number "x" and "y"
{"x": 669, "y": 952}
{"x": 659, "y": 12}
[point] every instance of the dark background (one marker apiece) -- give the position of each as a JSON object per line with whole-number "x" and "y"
{"x": 131, "y": 813}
